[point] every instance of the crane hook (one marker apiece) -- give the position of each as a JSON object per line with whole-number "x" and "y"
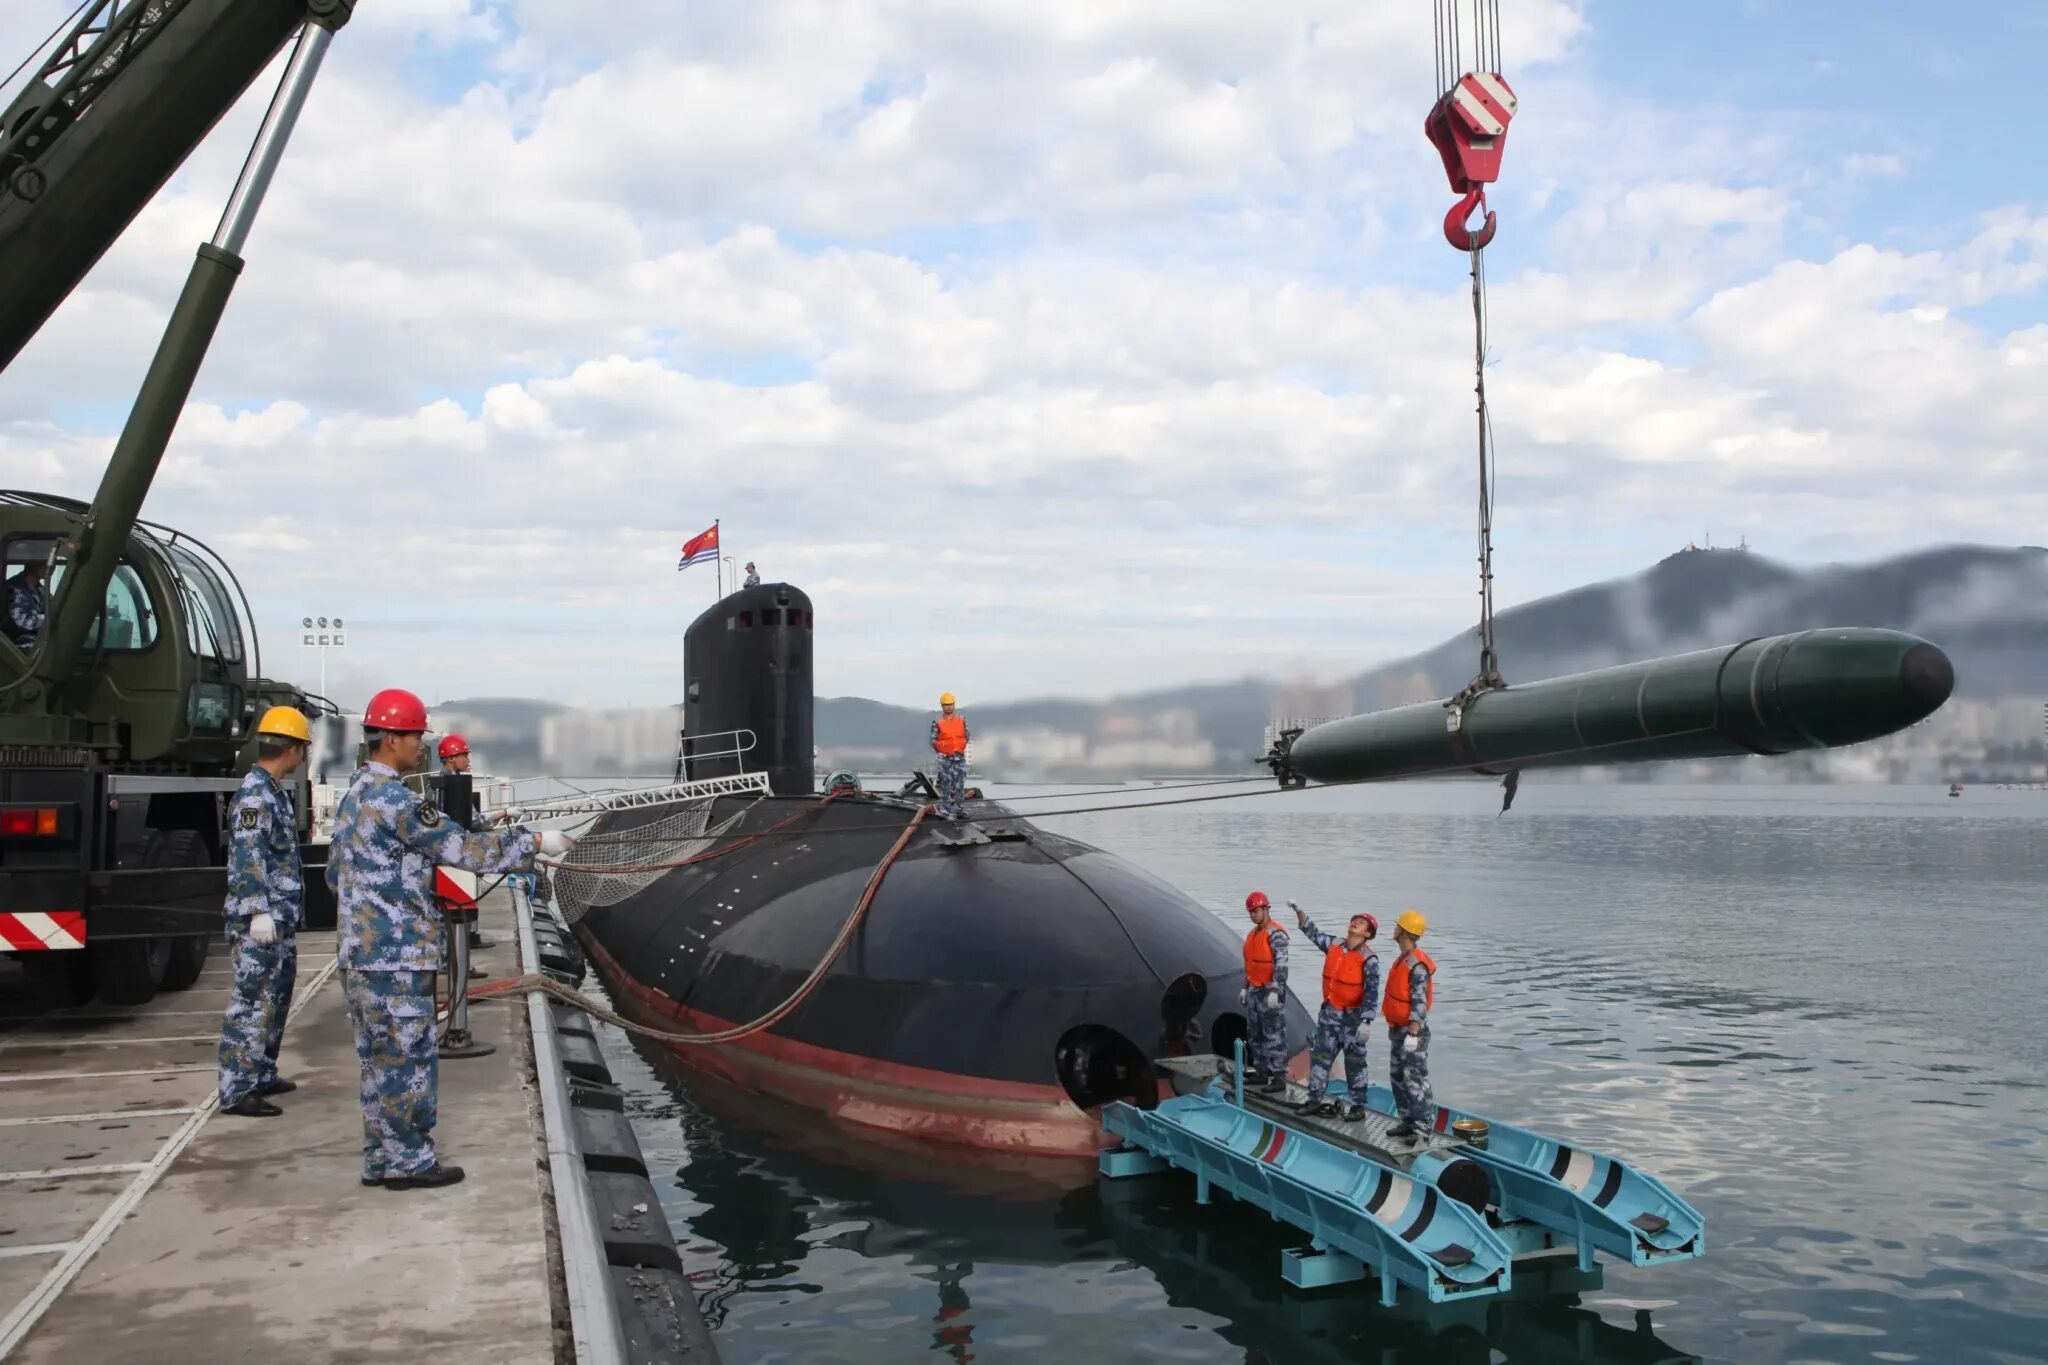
{"x": 1457, "y": 229}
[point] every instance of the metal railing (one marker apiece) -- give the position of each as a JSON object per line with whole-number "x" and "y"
{"x": 691, "y": 749}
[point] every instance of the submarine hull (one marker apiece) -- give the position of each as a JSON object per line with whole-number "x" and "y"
{"x": 1817, "y": 689}
{"x": 989, "y": 987}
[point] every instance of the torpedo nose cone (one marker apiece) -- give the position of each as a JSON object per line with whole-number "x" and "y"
{"x": 1927, "y": 677}
{"x": 1846, "y": 686}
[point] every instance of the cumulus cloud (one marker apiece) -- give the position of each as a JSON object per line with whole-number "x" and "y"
{"x": 1069, "y": 347}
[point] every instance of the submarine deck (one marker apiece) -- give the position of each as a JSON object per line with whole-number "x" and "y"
{"x": 200, "y": 1238}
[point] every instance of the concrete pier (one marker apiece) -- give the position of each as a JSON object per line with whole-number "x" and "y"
{"x": 137, "y": 1225}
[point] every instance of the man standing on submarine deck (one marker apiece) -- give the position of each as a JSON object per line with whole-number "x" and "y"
{"x": 1351, "y": 993}
{"x": 949, "y": 742}
{"x": 380, "y": 865}
{"x": 1264, "y": 996}
{"x": 1411, "y": 990}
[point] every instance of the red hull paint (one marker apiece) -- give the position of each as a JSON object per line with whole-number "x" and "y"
{"x": 974, "y": 1111}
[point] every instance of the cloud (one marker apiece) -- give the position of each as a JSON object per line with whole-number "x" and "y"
{"x": 1064, "y": 348}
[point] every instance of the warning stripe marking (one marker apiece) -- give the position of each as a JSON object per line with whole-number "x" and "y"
{"x": 30, "y": 931}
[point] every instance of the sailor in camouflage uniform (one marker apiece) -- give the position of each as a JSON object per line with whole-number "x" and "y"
{"x": 1351, "y": 994}
{"x": 387, "y": 843}
{"x": 949, "y": 742}
{"x": 1411, "y": 990}
{"x": 1264, "y": 996}
{"x": 266, "y": 902}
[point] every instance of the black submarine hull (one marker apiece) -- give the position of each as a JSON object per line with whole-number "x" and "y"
{"x": 994, "y": 996}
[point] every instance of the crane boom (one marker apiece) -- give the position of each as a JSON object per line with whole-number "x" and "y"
{"x": 105, "y": 121}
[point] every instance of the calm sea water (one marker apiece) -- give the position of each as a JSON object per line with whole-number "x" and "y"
{"x": 1817, "y": 1012}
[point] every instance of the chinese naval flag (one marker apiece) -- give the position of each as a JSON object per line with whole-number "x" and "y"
{"x": 697, "y": 549}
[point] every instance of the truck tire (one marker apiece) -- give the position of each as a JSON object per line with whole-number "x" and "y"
{"x": 56, "y": 980}
{"x": 129, "y": 970}
{"x": 181, "y": 848}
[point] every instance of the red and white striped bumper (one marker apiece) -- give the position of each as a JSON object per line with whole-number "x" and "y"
{"x": 36, "y": 931}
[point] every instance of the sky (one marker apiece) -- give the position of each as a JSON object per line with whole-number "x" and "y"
{"x": 1069, "y": 348}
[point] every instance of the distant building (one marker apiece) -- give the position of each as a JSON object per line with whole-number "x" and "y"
{"x": 632, "y": 740}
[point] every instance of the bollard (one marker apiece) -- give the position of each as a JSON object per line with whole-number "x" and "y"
{"x": 458, "y": 1042}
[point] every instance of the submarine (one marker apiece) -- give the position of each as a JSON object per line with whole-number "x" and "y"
{"x": 1005, "y": 982}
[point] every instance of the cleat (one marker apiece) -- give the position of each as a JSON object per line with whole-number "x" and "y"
{"x": 1353, "y": 1113}
{"x": 252, "y": 1107}
{"x": 431, "y": 1178}
{"x": 280, "y": 1086}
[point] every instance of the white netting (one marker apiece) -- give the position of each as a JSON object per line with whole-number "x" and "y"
{"x": 608, "y": 865}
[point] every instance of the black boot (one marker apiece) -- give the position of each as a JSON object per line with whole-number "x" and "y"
{"x": 280, "y": 1086}
{"x": 1274, "y": 1085}
{"x": 1403, "y": 1129}
{"x": 1353, "y": 1112}
{"x": 252, "y": 1107}
{"x": 432, "y": 1178}
{"x": 1316, "y": 1105}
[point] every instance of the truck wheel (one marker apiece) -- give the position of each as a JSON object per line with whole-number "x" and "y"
{"x": 129, "y": 970}
{"x": 57, "y": 980}
{"x": 181, "y": 848}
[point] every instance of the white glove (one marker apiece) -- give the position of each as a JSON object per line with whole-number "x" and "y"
{"x": 1409, "y": 1042}
{"x": 1295, "y": 906}
{"x": 263, "y": 929}
{"x": 1273, "y": 1000}
{"x": 1244, "y": 996}
{"x": 554, "y": 843}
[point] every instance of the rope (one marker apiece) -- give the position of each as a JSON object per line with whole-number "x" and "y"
{"x": 1489, "y": 658}
{"x": 546, "y": 985}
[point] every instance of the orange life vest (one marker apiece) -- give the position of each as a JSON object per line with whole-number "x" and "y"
{"x": 1394, "y": 1000}
{"x": 1258, "y": 957}
{"x": 1344, "y": 977}
{"x": 952, "y": 734}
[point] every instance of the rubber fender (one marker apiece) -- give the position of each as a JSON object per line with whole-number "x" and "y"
{"x": 630, "y": 1221}
{"x": 595, "y": 1095}
{"x": 582, "y": 1059}
{"x": 605, "y": 1138}
{"x": 569, "y": 1019}
{"x": 659, "y": 1317}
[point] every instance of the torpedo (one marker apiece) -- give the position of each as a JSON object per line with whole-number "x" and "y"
{"x": 1816, "y": 689}
{"x": 1005, "y": 982}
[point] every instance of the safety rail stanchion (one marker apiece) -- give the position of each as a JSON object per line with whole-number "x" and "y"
{"x": 586, "y": 1270}
{"x": 459, "y": 1042}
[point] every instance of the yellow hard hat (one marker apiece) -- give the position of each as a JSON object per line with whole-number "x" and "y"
{"x": 1412, "y": 923}
{"x": 286, "y": 722}
{"x": 945, "y": 698}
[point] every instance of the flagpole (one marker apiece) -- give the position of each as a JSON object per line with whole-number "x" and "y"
{"x": 718, "y": 558}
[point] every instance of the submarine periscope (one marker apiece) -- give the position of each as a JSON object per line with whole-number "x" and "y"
{"x": 1004, "y": 983}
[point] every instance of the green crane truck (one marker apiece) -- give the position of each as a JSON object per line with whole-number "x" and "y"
{"x": 126, "y": 712}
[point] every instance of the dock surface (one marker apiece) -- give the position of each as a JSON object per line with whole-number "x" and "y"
{"x": 137, "y": 1225}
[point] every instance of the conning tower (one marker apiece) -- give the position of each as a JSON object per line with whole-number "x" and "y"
{"x": 747, "y": 669}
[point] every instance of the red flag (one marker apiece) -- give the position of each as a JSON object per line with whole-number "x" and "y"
{"x": 697, "y": 549}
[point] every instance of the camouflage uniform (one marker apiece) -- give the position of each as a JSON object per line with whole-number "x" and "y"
{"x": 1266, "y": 1025}
{"x": 1408, "y": 1072}
{"x": 28, "y": 604}
{"x": 381, "y": 866}
{"x": 264, "y": 877}
{"x": 952, "y": 775}
{"x": 1340, "y": 1030}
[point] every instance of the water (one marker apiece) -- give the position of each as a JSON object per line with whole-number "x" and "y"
{"x": 1816, "y": 1012}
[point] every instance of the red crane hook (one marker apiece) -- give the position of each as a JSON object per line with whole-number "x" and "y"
{"x": 1457, "y": 223}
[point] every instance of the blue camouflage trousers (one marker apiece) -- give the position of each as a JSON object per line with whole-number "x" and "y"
{"x": 393, "y": 1016}
{"x": 1408, "y": 1075}
{"x": 253, "y": 1028}
{"x": 1266, "y": 1032}
{"x": 952, "y": 783}
{"x": 1337, "y": 1031}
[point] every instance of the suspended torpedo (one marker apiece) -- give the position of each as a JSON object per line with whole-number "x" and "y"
{"x": 1817, "y": 689}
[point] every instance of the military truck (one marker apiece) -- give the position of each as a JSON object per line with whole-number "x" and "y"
{"x": 126, "y": 713}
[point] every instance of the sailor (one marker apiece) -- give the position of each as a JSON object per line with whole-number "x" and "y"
{"x": 453, "y": 751}
{"x": 381, "y": 866}
{"x": 753, "y": 578}
{"x": 1264, "y": 996}
{"x": 1411, "y": 990}
{"x": 1351, "y": 992}
{"x": 266, "y": 902}
{"x": 28, "y": 603}
{"x": 949, "y": 742}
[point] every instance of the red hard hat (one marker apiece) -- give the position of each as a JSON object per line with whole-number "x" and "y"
{"x": 1257, "y": 901}
{"x": 395, "y": 709}
{"x": 451, "y": 747}
{"x": 1372, "y": 926}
